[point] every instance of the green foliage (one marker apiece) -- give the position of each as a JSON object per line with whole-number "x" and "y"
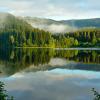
{"x": 76, "y": 43}
{"x": 3, "y": 93}
{"x": 18, "y": 33}
{"x": 96, "y": 94}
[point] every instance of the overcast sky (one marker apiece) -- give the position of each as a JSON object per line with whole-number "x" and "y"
{"x": 54, "y": 9}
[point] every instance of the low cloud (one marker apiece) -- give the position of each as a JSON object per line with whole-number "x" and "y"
{"x": 59, "y": 28}
{"x": 54, "y": 28}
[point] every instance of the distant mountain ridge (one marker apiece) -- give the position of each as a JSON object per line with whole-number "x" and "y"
{"x": 63, "y": 25}
{"x": 94, "y": 22}
{"x": 50, "y": 25}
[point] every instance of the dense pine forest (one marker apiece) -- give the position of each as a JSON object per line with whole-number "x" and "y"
{"x": 15, "y": 32}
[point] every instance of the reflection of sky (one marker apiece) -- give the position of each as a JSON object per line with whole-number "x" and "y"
{"x": 57, "y": 84}
{"x": 77, "y": 73}
{"x": 59, "y": 72}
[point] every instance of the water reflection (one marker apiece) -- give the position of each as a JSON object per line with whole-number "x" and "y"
{"x": 50, "y": 74}
{"x": 16, "y": 60}
{"x": 58, "y": 84}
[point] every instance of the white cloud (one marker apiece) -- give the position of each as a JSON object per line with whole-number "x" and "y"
{"x": 58, "y": 9}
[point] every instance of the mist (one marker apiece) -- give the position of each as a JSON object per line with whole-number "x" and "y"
{"x": 3, "y": 19}
{"x": 54, "y": 28}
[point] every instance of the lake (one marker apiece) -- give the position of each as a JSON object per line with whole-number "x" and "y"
{"x": 50, "y": 74}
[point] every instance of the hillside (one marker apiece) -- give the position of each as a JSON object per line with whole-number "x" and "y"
{"x": 16, "y": 32}
{"x": 9, "y": 22}
{"x": 83, "y": 23}
{"x": 49, "y": 25}
{"x": 64, "y": 25}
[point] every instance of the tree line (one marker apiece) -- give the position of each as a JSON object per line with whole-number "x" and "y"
{"x": 18, "y": 33}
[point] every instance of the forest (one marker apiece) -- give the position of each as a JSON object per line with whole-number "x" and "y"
{"x": 16, "y": 32}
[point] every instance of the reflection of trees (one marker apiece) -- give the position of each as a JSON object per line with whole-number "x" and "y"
{"x": 89, "y": 56}
{"x": 27, "y": 57}
{"x": 36, "y": 56}
{"x": 68, "y": 54}
{"x": 19, "y": 59}
{"x": 79, "y": 56}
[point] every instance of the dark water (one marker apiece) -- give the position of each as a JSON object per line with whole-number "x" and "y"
{"x": 50, "y": 74}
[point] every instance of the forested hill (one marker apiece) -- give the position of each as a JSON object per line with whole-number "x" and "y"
{"x": 83, "y": 23}
{"x": 16, "y": 32}
{"x": 10, "y": 22}
{"x": 63, "y": 25}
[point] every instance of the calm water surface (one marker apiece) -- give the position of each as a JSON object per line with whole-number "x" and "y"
{"x": 49, "y": 74}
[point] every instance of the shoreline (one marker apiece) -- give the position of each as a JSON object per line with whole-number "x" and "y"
{"x": 77, "y": 48}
